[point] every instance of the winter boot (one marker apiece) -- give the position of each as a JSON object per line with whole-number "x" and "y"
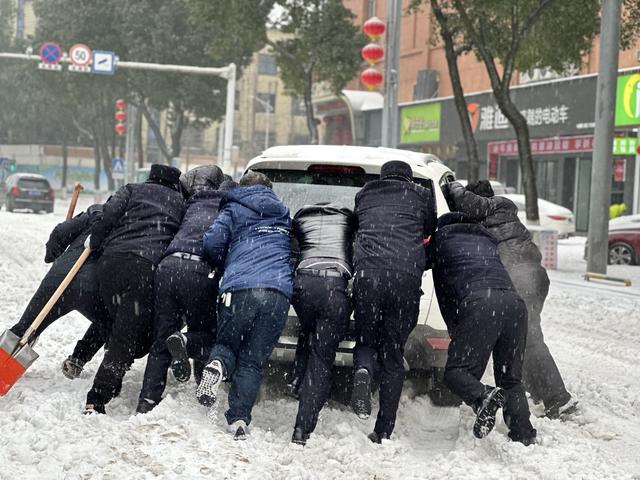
{"x": 486, "y": 407}
{"x": 207, "y": 391}
{"x": 361, "y": 394}
{"x": 239, "y": 430}
{"x": 299, "y": 437}
{"x": 93, "y": 409}
{"x": 177, "y": 345}
{"x": 72, "y": 367}
{"x": 293, "y": 388}
{"x": 376, "y": 437}
{"x": 562, "y": 410}
{"x": 145, "y": 405}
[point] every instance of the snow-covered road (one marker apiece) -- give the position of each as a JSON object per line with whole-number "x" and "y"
{"x": 592, "y": 329}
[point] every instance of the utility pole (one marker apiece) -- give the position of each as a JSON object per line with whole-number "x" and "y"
{"x": 390, "y": 121}
{"x": 601, "y": 165}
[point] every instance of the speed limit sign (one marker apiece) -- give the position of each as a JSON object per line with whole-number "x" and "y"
{"x": 80, "y": 55}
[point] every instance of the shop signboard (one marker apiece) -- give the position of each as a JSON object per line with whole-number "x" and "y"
{"x": 628, "y": 100}
{"x": 625, "y": 145}
{"x": 420, "y": 123}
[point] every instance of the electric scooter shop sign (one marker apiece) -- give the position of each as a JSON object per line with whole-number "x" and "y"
{"x": 628, "y": 100}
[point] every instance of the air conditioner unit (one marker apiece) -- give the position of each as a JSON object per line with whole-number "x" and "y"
{"x": 426, "y": 85}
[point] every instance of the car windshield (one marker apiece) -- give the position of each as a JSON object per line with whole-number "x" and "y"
{"x": 297, "y": 188}
{"x": 33, "y": 183}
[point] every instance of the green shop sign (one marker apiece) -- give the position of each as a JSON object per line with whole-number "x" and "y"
{"x": 625, "y": 146}
{"x": 628, "y": 100}
{"x": 420, "y": 123}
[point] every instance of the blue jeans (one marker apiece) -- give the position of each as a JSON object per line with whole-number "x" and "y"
{"x": 248, "y": 329}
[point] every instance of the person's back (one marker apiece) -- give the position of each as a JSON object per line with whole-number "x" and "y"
{"x": 393, "y": 217}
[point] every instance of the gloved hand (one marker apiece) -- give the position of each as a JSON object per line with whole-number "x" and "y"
{"x": 52, "y": 251}
{"x": 87, "y": 242}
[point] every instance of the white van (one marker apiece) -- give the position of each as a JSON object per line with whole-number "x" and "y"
{"x": 308, "y": 174}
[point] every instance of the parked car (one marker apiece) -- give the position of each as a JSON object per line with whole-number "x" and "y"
{"x": 303, "y": 175}
{"x": 552, "y": 215}
{"x": 28, "y": 191}
{"x": 624, "y": 240}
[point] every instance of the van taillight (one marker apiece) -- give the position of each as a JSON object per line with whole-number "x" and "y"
{"x": 334, "y": 169}
{"x": 439, "y": 343}
{"x": 15, "y": 191}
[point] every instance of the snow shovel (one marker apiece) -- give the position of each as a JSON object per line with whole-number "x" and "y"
{"x": 77, "y": 188}
{"x": 16, "y": 354}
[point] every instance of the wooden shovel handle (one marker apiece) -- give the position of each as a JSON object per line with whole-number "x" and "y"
{"x": 77, "y": 188}
{"x": 56, "y": 295}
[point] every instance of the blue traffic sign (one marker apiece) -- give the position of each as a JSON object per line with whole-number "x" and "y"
{"x": 50, "y": 53}
{"x": 117, "y": 165}
{"x": 104, "y": 62}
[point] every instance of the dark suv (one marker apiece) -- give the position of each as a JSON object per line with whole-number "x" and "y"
{"x": 28, "y": 191}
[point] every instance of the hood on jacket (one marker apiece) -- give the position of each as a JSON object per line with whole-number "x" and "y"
{"x": 481, "y": 188}
{"x": 205, "y": 177}
{"x": 259, "y": 198}
{"x": 454, "y": 217}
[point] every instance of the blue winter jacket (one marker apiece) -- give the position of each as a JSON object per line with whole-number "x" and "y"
{"x": 250, "y": 238}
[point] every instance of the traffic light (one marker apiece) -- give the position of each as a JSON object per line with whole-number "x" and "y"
{"x": 12, "y": 166}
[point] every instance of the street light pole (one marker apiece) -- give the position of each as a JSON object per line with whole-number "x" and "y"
{"x": 391, "y": 66}
{"x": 268, "y": 109}
{"x": 601, "y": 165}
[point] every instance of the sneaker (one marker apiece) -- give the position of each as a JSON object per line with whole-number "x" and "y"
{"x": 376, "y": 437}
{"x": 177, "y": 345}
{"x": 145, "y": 405}
{"x": 207, "y": 391}
{"x": 361, "y": 394}
{"x": 198, "y": 368}
{"x": 94, "y": 409}
{"x": 72, "y": 367}
{"x": 492, "y": 400}
{"x": 299, "y": 436}
{"x": 562, "y": 411}
{"x": 239, "y": 430}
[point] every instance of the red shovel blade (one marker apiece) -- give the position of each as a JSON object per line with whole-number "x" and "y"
{"x": 13, "y": 364}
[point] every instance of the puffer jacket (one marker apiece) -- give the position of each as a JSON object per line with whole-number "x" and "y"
{"x": 324, "y": 231}
{"x": 251, "y": 239}
{"x": 500, "y": 216}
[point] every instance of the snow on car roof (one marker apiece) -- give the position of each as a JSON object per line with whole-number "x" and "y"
{"x": 369, "y": 158}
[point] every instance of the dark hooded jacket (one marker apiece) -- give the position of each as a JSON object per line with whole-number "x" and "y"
{"x": 140, "y": 219}
{"x": 394, "y": 217}
{"x": 324, "y": 231}
{"x": 251, "y": 238}
{"x": 202, "y": 210}
{"x": 465, "y": 261}
{"x": 500, "y": 216}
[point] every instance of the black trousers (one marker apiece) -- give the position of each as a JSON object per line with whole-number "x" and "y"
{"x": 490, "y": 322}
{"x": 386, "y": 306}
{"x": 323, "y": 308}
{"x": 126, "y": 286}
{"x": 184, "y": 294}
{"x": 81, "y": 295}
{"x": 540, "y": 374}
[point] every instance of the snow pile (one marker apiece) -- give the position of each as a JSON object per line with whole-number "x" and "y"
{"x": 592, "y": 330}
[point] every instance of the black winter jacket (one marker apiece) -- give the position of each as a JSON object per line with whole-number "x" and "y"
{"x": 500, "y": 216}
{"x": 394, "y": 217}
{"x": 72, "y": 233}
{"x": 465, "y": 261}
{"x": 324, "y": 231}
{"x": 139, "y": 219}
{"x": 202, "y": 209}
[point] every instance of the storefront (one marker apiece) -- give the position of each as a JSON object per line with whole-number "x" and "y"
{"x": 560, "y": 115}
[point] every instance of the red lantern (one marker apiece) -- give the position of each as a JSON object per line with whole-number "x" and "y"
{"x": 120, "y": 128}
{"x": 121, "y": 116}
{"x": 120, "y": 104}
{"x": 372, "y": 53}
{"x": 374, "y": 27}
{"x": 371, "y": 78}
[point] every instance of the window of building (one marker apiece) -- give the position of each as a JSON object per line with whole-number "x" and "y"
{"x": 265, "y": 102}
{"x": 267, "y": 64}
{"x": 371, "y": 8}
{"x": 297, "y": 106}
{"x": 259, "y": 140}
